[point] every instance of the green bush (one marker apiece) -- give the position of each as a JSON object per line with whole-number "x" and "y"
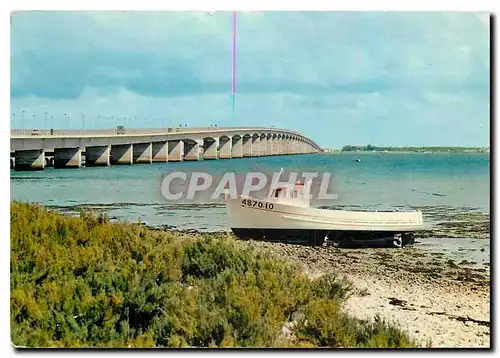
{"x": 325, "y": 325}
{"x": 86, "y": 282}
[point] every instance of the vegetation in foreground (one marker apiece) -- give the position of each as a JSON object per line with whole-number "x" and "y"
{"x": 85, "y": 282}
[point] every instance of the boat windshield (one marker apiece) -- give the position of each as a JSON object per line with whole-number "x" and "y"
{"x": 291, "y": 195}
{"x": 282, "y": 193}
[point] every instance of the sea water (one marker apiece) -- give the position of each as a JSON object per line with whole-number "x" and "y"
{"x": 381, "y": 181}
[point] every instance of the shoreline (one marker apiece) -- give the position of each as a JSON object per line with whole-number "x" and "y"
{"x": 440, "y": 298}
{"x": 439, "y": 303}
{"x": 444, "y": 221}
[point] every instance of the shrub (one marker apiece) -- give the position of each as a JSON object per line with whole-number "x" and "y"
{"x": 85, "y": 282}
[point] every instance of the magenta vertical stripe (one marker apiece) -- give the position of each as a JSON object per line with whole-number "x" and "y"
{"x": 233, "y": 73}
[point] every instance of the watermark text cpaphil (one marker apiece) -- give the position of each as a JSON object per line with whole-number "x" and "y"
{"x": 204, "y": 187}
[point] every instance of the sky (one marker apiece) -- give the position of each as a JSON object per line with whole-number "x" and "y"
{"x": 379, "y": 78}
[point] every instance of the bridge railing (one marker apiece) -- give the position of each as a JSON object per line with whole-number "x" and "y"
{"x": 90, "y": 132}
{"x": 114, "y": 131}
{"x": 33, "y": 133}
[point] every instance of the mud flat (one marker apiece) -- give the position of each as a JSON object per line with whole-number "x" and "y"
{"x": 440, "y": 301}
{"x": 447, "y": 222}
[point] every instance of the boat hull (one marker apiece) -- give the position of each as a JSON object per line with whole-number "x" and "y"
{"x": 261, "y": 220}
{"x": 335, "y": 238}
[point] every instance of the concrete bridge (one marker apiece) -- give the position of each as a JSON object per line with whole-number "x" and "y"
{"x": 36, "y": 149}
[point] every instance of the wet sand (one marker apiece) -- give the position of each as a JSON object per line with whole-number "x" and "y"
{"x": 460, "y": 222}
{"x": 440, "y": 302}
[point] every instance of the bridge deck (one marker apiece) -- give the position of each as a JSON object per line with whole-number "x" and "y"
{"x": 128, "y": 146}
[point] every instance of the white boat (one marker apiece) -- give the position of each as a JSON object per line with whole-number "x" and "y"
{"x": 287, "y": 216}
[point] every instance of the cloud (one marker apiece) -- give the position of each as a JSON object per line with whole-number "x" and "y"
{"x": 344, "y": 67}
{"x": 331, "y": 119}
{"x": 172, "y": 53}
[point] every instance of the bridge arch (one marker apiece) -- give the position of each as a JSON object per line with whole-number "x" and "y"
{"x": 236, "y": 146}
{"x": 247, "y": 145}
{"x": 191, "y": 149}
{"x": 224, "y": 148}
{"x": 210, "y": 147}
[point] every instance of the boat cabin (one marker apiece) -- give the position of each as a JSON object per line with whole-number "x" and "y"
{"x": 290, "y": 195}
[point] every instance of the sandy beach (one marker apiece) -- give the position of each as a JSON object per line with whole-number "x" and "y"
{"x": 440, "y": 302}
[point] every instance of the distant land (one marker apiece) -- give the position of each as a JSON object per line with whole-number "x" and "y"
{"x": 372, "y": 148}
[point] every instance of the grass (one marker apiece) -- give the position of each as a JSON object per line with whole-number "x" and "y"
{"x": 86, "y": 282}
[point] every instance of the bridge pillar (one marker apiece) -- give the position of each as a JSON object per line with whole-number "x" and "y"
{"x": 122, "y": 154}
{"x": 279, "y": 147}
{"x": 175, "y": 150}
{"x": 276, "y": 146}
{"x": 142, "y": 153}
{"x": 159, "y": 152}
{"x": 225, "y": 148}
{"x": 237, "y": 147}
{"x": 269, "y": 146}
{"x": 67, "y": 157}
{"x": 209, "y": 148}
{"x": 283, "y": 146}
{"x": 192, "y": 150}
{"x": 247, "y": 146}
{"x": 97, "y": 156}
{"x": 255, "y": 146}
{"x": 29, "y": 159}
{"x": 263, "y": 146}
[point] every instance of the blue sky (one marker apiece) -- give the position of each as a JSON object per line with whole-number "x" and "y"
{"x": 339, "y": 78}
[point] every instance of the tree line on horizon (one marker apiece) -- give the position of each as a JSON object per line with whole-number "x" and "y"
{"x": 370, "y": 147}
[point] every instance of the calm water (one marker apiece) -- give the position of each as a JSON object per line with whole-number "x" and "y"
{"x": 380, "y": 181}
